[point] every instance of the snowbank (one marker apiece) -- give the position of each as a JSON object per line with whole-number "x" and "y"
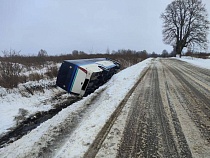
{"x": 204, "y": 63}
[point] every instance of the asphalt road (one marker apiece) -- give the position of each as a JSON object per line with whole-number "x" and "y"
{"x": 167, "y": 115}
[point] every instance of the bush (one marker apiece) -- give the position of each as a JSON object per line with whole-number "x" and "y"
{"x": 9, "y": 74}
{"x": 21, "y": 116}
{"x": 52, "y": 72}
{"x": 35, "y": 77}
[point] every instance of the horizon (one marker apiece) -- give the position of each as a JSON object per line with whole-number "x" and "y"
{"x": 59, "y": 27}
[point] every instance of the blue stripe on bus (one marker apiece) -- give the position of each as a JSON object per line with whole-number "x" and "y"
{"x": 72, "y": 78}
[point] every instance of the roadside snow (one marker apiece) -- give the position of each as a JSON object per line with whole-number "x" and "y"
{"x": 12, "y": 101}
{"x": 112, "y": 94}
{"x": 204, "y": 63}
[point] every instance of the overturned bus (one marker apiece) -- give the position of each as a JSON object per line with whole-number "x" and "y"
{"x": 81, "y": 77}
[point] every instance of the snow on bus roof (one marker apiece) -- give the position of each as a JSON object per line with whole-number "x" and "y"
{"x": 106, "y": 64}
{"x": 80, "y": 62}
{"x": 92, "y": 67}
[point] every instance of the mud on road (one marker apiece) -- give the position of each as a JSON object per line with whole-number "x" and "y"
{"x": 168, "y": 115}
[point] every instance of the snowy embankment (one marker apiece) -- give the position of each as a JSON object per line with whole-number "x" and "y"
{"x": 27, "y": 99}
{"x": 203, "y": 63}
{"x": 12, "y": 101}
{"x": 111, "y": 95}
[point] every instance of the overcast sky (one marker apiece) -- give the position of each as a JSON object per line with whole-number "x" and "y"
{"x": 92, "y": 26}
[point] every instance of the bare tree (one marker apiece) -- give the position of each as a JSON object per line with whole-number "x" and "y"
{"x": 185, "y": 24}
{"x": 75, "y": 52}
{"x": 164, "y": 53}
{"x": 42, "y": 53}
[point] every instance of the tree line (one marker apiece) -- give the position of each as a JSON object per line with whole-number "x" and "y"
{"x": 12, "y": 63}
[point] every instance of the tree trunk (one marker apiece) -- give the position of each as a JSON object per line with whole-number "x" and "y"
{"x": 179, "y": 50}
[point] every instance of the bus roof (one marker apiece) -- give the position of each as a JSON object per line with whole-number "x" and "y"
{"x": 81, "y": 62}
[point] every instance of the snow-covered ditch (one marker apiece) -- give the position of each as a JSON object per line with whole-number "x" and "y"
{"x": 13, "y": 101}
{"x": 27, "y": 99}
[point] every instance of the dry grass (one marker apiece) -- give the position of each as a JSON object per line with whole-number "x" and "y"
{"x": 13, "y": 63}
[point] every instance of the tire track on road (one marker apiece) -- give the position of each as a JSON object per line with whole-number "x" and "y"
{"x": 197, "y": 103}
{"x": 153, "y": 132}
{"x": 96, "y": 145}
{"x": 190, "y": 105}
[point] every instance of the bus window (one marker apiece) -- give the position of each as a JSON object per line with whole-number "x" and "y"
{"x": 85, "y": 84}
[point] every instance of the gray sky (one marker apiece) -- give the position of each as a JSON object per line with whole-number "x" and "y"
{"x": 92, "y": 26}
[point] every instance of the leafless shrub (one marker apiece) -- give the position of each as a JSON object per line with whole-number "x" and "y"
{"x": 21, "y": 116}
{"x": 24, "y": 93}
{"x": 198, "y": 54}
{"x": 37, "y": 88}
{"x": 189, "y": 53}
{"x": 201, "y": 55}
{"x": 9, "y": 74}
{"x": 52, "y": 71}
{"x": 23, "y": 79}
{"x": 35, "y": 77}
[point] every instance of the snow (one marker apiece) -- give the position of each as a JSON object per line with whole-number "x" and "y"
{"x": 204, "y": 63}
{"x": 41, "y": 71}
{"x": 111, "y": 95}
{"x": 13, "y": 100}
{"x": 18, "y": 98}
